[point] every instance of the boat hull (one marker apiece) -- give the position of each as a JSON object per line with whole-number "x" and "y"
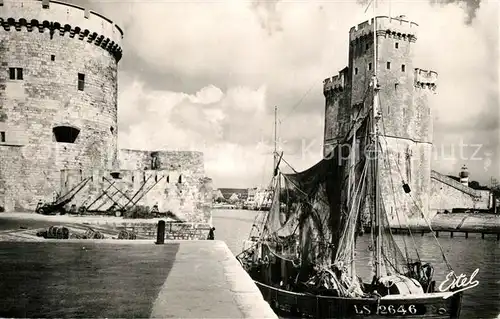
{"x": 291, "y": 305}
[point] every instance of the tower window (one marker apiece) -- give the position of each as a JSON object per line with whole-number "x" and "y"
{"x": 369, "y": 66}
{"x": 403, "y": 68}
{"x": 355, "y": 70}
{"x": 16, "y": 73}
{"x": 2, "y": 137}
{"x": 388, "y": 65}
{"x": 396, "y": 45}
{"x": 115, "y": 175}
{"x": 81, "y": 81}
{"x": 52, "y": 57}
{"x": 65, "y": 134}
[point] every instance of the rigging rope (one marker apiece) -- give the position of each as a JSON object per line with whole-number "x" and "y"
{"x": 432, "y": 231}
{"x": 423, "y": 215}
{"x": 394, "y": 191}
{"x": 299, "y": 102}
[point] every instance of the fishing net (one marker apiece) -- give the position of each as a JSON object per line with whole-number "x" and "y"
{"x": 393, "y": 260}
{"x": 306, "y": 210}
{"x": 315, "y": 218}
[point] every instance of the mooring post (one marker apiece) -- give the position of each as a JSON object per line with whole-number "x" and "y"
{"x": 437, "y": 234}
{"x": 466, "y": 234}
{"x": 451, "y": 234}
{"x": 160, "y": 234}
{"x": 482, "y": 235}
{"x": 498, "y": 236}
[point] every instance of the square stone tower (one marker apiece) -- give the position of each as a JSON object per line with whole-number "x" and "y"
{"x": 406, "y": 122}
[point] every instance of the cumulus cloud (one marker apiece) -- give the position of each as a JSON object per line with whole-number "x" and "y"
{"x": 207, "y": 75}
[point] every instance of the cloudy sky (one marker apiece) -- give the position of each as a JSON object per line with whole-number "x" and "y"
{"x": 206, "y": 75}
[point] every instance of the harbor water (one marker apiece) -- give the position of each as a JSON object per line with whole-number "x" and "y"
{"x": 464, "y": 255}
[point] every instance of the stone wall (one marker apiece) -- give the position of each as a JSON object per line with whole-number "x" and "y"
{"x": 397, "y": 167}
{"x": 188, "y": 199}
{"x": 52, "y": 45}
{"x": 176, "y": 183}
{"x": 447, "y": 194}
{"x": 192, "y": 194}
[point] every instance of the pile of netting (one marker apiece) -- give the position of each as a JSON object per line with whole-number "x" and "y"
{"x": 305, "y": 220}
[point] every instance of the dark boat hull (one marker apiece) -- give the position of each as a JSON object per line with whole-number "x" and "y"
{"x": 299, "y": 305}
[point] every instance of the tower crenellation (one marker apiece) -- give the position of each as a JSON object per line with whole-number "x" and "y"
{"x": 62, "y": 19}
{"x": 393, "y": 27}
{"x": 426, "y": 79}
{"x": 335, "y": 84}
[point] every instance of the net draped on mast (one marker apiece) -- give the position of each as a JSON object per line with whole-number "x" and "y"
{"x": 306, "y": 208}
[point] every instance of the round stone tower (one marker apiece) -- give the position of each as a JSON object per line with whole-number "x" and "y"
{"x": 58, "y": 93}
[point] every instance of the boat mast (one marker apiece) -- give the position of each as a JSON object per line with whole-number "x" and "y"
{"x": 275, "y": 137}
{"x": 376, "y": 203}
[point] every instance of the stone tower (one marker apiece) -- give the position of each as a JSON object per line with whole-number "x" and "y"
{"x": 406, "y": 123}
{"x": 58, "y": 97}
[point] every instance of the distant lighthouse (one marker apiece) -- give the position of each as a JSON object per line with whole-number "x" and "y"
{"x": 464, "y": 176}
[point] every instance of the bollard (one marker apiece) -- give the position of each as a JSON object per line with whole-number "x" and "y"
{"x": 160, "y": 235}
{"x": 211, "y": 235}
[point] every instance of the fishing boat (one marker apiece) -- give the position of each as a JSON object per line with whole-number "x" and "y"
{"x": 301, "y": 253}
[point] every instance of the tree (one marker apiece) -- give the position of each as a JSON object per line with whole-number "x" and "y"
{"x": 474, "y": 184}
{"x": 234, "y": 198}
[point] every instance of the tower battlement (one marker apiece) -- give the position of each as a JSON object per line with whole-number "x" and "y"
{"x": 425, "y": 78}
{"x": 335, "y": 83}
{"x": 62, "y": 18}
{"x": 396, "y": 27}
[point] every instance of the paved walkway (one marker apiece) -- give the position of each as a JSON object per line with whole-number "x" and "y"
{"x": 207, "y": 281}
